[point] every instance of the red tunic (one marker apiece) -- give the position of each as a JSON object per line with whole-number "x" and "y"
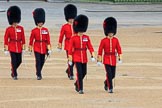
{"x": 78, "y": 48}
{"x": 40, "y": 37}
{"x": 66, "y": 31}
{"x": 14, "y": 38}
{"x": 110, "y": 47}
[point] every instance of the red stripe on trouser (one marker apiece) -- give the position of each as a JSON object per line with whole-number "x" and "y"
{"x": 35, "y": 64}
{"x": 77, "y": 81}
{"x": 12, "y": 69}
{"x": 107, "y": 79}
{"x": 68, "y": 63}
{"x": 69, "y": 72}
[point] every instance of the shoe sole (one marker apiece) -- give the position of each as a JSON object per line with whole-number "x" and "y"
{"x": 14, "y": 78}
{"x": 110, "y": 91}
{"x": 71, "y": 78}
{"x": 39, "y": 78}
{"x": 81, "y": 92}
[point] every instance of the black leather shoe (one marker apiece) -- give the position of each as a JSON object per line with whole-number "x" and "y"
{"x": 105, "y": 86}
{"x": 111, "y": 91}
{"x": 67, "y": 72}
{"x": 81, "y": 92}
{"x": 76, "y": 87}
{"x": 15, "y": 78}
{"x": 71, "y": 77}
{"x": 39, "y": 77}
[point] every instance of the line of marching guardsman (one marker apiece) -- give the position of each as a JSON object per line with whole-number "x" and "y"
{"x": 76, "y": 43}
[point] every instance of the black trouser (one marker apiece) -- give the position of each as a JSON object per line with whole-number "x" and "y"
{"x": 110, "y": 75}
{"x": 81, "y": 72}
{"x": 40, "y": 59}
{"x": 16, "y": 59}
{"x": 70, "y": 68}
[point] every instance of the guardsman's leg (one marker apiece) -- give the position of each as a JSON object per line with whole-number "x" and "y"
{"x": 79, "y": 77}
{"x": 38, "y": 65}
{"x": 13, "y": 64}
{"x": 19, "y": 59}
{"x": 109, "y": 77}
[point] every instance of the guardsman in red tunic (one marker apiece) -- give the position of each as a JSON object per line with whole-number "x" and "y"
{"x": 40, "y": 38}
{"x": 79, "y": 44}
{"x": 111, "y": 47}
{"x": 70, "y": 12}
{"x": 14, "y": 39}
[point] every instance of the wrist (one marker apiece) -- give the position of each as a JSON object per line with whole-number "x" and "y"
{"x": 92, "y": 55}
{"x": 49, "y": 47}
{"x": 70, "y": 57}
{"x": 120, "y": 57}
{"x": 99, "y": 58}
{"x": 59, "y": 46}
{"x": 30, "y": 48}
{"x": 5, "y": 47}
{"x": 24, "y": 47}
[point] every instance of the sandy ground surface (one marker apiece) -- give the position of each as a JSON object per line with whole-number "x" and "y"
{"x": 138, "y": 82}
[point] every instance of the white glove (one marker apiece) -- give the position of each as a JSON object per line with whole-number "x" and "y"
{"x": 70, "y": 63}
{"x": 59, "y": 49}
{"x": 93, "y": 59}
{"x": 23, "y": 52}
{"x": 99, "y": 63}
{"x": 6, "y": 52}
{"x": 120, "y": 61}
{"x": 49, "y": 52}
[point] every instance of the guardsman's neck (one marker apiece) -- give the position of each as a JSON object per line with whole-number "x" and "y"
{"x": 39, "y": 27}
{"x": 80, "y": 34}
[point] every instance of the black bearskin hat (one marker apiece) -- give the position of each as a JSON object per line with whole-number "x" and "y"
{"x": 70, "y": 11}
{"x": 110, "y": 25}
{"x": 39, "y": 15}
{"x": 14, "y": 15}
{"x": 80, "y": 23}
